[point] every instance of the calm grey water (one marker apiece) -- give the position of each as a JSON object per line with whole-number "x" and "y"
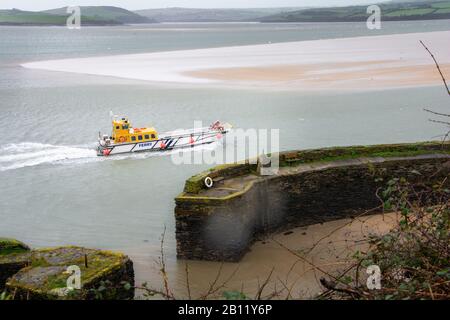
{"x": 55, "y": 191}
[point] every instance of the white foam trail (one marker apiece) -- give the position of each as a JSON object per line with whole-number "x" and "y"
{"x": 28, "y": 154}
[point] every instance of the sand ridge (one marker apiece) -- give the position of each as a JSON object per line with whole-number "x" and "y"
{"x": 377, "y": 62}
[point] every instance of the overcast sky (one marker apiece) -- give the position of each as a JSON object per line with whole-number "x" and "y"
{"x": 35, "y": 5}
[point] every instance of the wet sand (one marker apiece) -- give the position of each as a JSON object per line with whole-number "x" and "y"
{"x": 338, "y": 76}
{"x": 362, "y": 63}
{"x": 323, "y": 247}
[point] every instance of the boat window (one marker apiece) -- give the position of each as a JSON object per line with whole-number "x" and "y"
{"x": 147, "y": 137}
{"x": 133, "y": 138}
{"x": 153, "y": 136}
{"x": 140, "y": 137}
{"x": 117, "y": 127}
{"x": 125, "y": 127}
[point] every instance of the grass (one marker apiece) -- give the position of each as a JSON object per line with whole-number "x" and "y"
{"x": 99, "y": 263}
{"x": 443, "y": 10}
{"x": 390, "y": 11}
{"x": 410, "y": 12}
{"x": 441, "y": 5}
{"x": 99, "y": 15}
{"x": 18, "y": 17}
{"x": 352, "y": 152}
{"x": 104, "y": 13}
{"x": 293, "y": 158}
{"x": 31, "y": 18}
{"x": 11, "y": 246}
{"x": 385, "y": 154}
{"x": 12, "y": 251}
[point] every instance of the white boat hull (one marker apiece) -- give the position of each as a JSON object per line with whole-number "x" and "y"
{"x": 166, "y": 142}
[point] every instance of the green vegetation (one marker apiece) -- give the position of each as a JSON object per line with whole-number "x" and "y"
{"x": 196, "y": 183}
{"x": 105, "y": 13}
{"x": 413, "y": 258}
{"x": 391, "y": 11}
{"x": 45, "y": 277}
{"x": 18, "y": 17}
{"x": 353, "y": 152}
{"x": 4, "y": 296}
{"x": 109, "y": 15}
{"x": 411, "y": 12}
{"x": 102, "y": 15}
{"x": 293, "y": 158}
{"x": 12, "y": 246}
{"x": 210, "y": 15}
{"x": 92, "y": 263}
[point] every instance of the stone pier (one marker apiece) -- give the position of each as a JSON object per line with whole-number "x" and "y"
{"x": 312, "y": 186}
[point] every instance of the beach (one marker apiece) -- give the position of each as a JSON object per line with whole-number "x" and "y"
{"x": 361, "y": 63}
{"x": 292, "y": 261}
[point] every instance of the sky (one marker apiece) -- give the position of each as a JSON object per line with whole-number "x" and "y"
{"x": 36, "y": 5}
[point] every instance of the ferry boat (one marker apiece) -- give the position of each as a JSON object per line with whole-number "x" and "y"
{"x": 126, "y": 139}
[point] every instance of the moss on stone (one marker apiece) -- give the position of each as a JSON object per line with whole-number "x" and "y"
{"x": 48, "y": 272}
{"x": 196, "y": 183}
{"x": 293, "y": 158}
{"x": 10, "y": 246}
{"x": 14, "y": 255}
{"x": 222, "y": 229}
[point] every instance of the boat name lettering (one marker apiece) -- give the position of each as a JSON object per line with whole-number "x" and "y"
{"x": 143, "y": 145}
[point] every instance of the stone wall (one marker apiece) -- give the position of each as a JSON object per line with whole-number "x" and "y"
{"x": 223, "y": 229}
{"x": 43, "y": 274}
{"x": 14, "y": 255}
{"x": 195, "y": 184}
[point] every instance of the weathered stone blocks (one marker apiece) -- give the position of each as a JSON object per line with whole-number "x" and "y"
{"x": 44, "y": 274}
{"x": 222, "y": 229}
{"x": 14, "y": 255}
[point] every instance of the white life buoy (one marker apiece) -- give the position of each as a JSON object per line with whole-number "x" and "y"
{"x": 209, "y": 182}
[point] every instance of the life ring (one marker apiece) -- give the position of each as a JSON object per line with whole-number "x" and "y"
{"x": 209, "y": 182}
{"x": 122, "y": 139}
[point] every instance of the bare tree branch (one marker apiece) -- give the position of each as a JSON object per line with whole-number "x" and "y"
{"x": 261, "y": 288}
{"x": 188, "y": 286}
{"x": 437, "y": 66}
{"x": 163, "y": 267}
{"x": 440, "y": 122}
{"x": 437, "y": 113}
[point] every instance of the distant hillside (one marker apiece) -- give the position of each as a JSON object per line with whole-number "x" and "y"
{"x": 18, "y": 17}
{"x": 210, "y": 15}
{"x": 97, "y": 16}
{"x": 109, "y": 13}
{"x": 392, "y": 11}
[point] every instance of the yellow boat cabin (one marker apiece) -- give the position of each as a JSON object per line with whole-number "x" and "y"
{"x": 125, "y": 139}
{"x": 123, "y": 132}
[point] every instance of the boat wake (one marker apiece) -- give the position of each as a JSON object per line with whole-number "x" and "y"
{"x": 29, "y": 154}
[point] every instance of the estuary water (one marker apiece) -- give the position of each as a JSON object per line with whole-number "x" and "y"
{"x": 54, "y": 190}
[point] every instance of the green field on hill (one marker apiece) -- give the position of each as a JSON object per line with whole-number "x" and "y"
{"x": 390, "y": 11}
{"x": 24, "y": 17}
{"x": 103, "y": 15}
